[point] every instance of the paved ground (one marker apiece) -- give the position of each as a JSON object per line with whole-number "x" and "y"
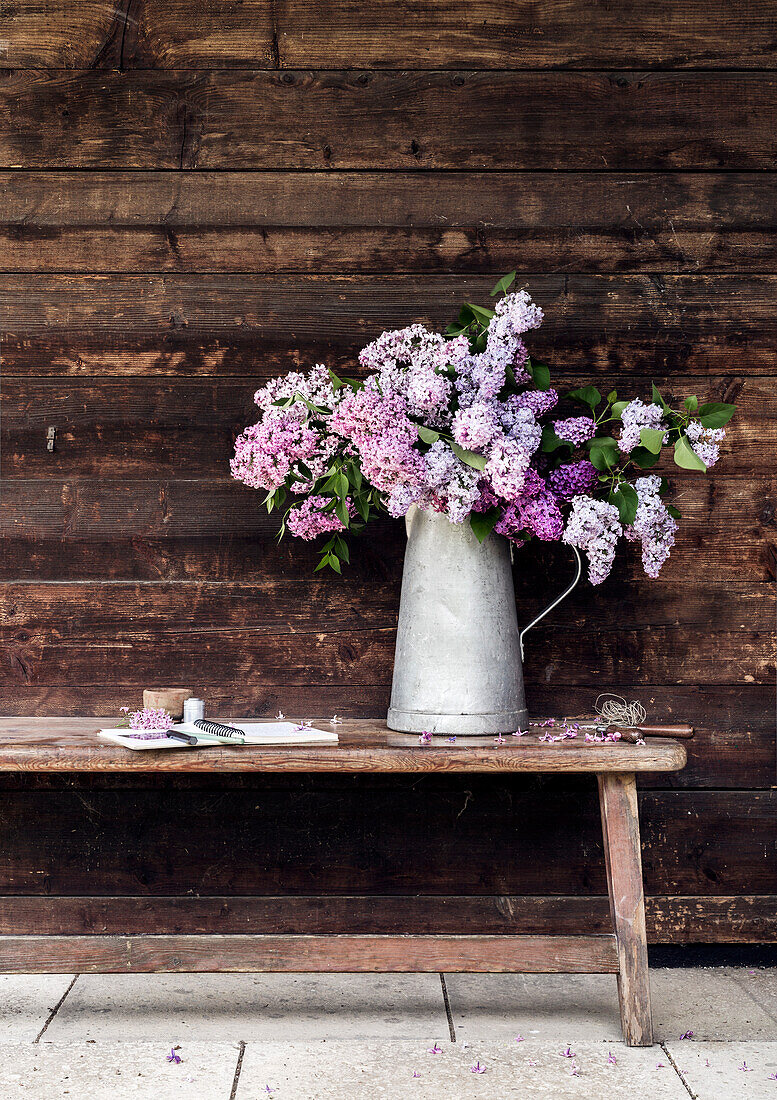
{"x": 399, "y": 1037}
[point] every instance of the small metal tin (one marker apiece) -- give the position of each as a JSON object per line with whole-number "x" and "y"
{"x": 193, "y": 709}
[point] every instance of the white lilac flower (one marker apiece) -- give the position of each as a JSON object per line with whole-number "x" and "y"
{"x": 477, "y": 426}
{"x": 705, "y": 441}
{"x": 594, "y": 527}
{"x": 653, "y": 526}
{"x": 635, "y": 417}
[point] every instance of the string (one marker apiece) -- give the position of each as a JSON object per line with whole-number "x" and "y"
{"x": 617, "y": 712}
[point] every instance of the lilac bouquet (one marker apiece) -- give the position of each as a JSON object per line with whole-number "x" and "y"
{"x": 466, "y": 424}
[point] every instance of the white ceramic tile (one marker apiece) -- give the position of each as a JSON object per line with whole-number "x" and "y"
{"x": 727, "y": 1071}
{"x": 96, "y": 1071}
{"x": 26, "y": 1001}
{"x": 366, "y": 1070}
{"x": 222, "y": 1007}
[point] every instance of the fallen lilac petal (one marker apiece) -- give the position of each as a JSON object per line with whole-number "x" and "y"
{"x": 568, "y": 1053}
{"x": 744, "y": 1068}
{"x": 772, "y": 1076}
{"x": 641, "y": 741}
{"x": 574, "y": 1072}
{"x": 499, "y": 740}
{"x": 531, "y": 1062}
{"x": 519, "y": 1039}
{"x": 173, "y": 1057}
{"x": 707, "y": 1062}
{"x": 477, "y": 1068}
{"x": 660, "y": 1065}
{"x": 687, "y": 1035}
{"x": 416, "y": 1073}
{"x": 280, "y": 714}
{"x": 335, "y": 720}
{"x": 424, "y": 738}
{"x": 611, "y": 1059}
{"x": 451, "y": 740}
{"x": 434, "y": 1050}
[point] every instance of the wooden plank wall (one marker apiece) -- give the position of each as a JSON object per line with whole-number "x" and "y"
{"x": 197, "y": 196}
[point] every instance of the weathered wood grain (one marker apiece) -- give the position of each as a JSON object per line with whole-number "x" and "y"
{"x": 152, "y": 428}
{"x": 388, "y": 120}
{"x": 373, "y": 222}
{"x": 294, "y": 954}
{"x": 260, "y": 326}
{"x": 122, "y": 839}
{"x": 729, "y": 519}
{"x": 623, "y": 860}
{"x": 151, "y": 33}
{"x": 669, "y": 919}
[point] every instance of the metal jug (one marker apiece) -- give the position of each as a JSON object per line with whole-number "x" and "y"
{"x": 458, "y": 661}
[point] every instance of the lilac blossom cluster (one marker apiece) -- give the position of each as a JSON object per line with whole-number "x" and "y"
{"x": 459, "y": 425}
{"x": 147, "y": 723}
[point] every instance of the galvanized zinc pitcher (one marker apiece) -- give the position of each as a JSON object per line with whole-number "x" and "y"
{"x": 457, "y": 666}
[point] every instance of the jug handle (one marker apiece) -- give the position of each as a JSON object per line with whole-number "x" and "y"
{"x": 556, "y": 602}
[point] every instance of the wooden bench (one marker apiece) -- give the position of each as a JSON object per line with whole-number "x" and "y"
{"x": 65, "y": 745}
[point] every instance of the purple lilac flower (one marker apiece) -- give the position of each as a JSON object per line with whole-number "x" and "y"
{"x": 653, "y": 526}
{"x": 173, "y": 1056}
{"x": 538, "y": 402}
{"x": 705, "y": 441}
{"x": 576, "y": 430}
{"x": 478, "y": 1067}
{"x": 307, "y": 520}
{"x": 594, "y": 527}
{"x": 573, "y": 479}
{"x": 635, "y": 417}
{"x": 507, "y": 468}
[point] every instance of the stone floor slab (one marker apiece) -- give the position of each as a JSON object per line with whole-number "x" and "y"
{"x": 222, "y": 1007}
{"x": 727, "y": 1071}
{"x": 26, "y": 1002}
{"x": 385, "y": 1070}
{"x": 94, "y": 1071}
{"x": 760, "y": 984}
{"x": 709, "y": 1002}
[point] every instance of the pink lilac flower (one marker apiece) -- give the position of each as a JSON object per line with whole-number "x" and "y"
{"x": 416, "y": 1073}
{"x": 745, "y": 1068}
{"x": 611, "y": 1059}
{"x": 266, "y": 452}
{"x": 653, "y": 526}
{"x": 308, "y": 519}
{"x": 687, "y": 1035}
{"x": 434, "y": 1050}
{"x": 478, "y": 1067}
{"x": 594, "y": 527}
{"x": 634, "y": 418}
{"x": 576, "y": 430}
{"x": 574, "y": 1071}
{"x": 477, "y": 426}
{"x": 148, "y": 723}
{"x": 519, "y": 1038}
{"x": 705, "y": 441}
{"x": 507, "y": 467}
{"x": 568, "y": 1053}
{"x": 573, "y": 479}
{"x": 425, "y": 738}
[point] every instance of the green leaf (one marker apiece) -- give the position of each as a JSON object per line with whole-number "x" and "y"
{"x": 612, "y": 397}
{"x": 341, "y": 511}
{"x": 626, "y": 500}
{"x": 652, "y": 439}
{"x": 334, "y": 563}
{"x": 503, "y": 285}
{"x": 685, "y": 456}
{"x": 550, "y": 441}
{"x": 337, "y": 383}
{"x": 343, "y": 485}
{"x": 603, "y": 452}
{"x": 484, "y": 316}
{"x": 455, "y": 330}
{"x": 341, "y": 549}
{"x": 658, "y": 399}
{"x": 588, "y": 395}
{"x": 618, "y": 407}
{"x": 466, "y": 316}
{"x": 427, "y": 435}
{"x": 691, "y": 403}
{"x": 476, "y": 461}
{"x": 482, "y": 523}
{"x": 716, "y": 414}
{"x": 323, "y": 563}
{"x": 673, "y": 511}
{"x": 643, "y": 458}
{"x": 540, "y": 373}
{"x": 362, "y": 507}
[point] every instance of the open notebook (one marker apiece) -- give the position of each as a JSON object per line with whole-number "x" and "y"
{"x": 257, "y": 733}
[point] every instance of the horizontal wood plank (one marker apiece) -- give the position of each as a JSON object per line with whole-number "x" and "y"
{"x": 208, "y": 954}
{"x": 669, "y": 919}
{"x": 155, "y": 428}
{"x": 355, "y": 222}
{"x": 78, "y": 838}
{"x": 350, "y": 119}
{"x": 260, "y": 326}
{"x": 450, "y": 34}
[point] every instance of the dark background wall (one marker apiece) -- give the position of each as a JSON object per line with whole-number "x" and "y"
{"x": 198, "y": 196}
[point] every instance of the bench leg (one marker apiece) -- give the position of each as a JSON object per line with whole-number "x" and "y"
{"x": 620, "y": 826}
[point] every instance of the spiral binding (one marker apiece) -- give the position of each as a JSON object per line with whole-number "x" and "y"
{"x": 217, "y": 728}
